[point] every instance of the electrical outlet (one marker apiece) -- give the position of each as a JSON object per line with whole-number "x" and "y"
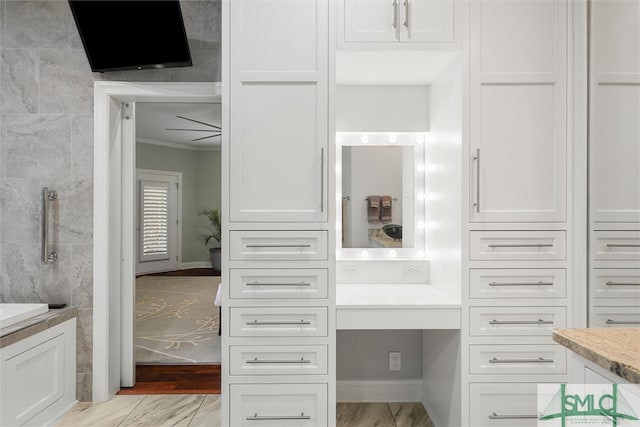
{"x": 395, "y": 361}
{"x": 414, "y": 271}
{"x": 349, "y": 270}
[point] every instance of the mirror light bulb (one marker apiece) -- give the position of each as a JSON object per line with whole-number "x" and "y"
{"x": 420, "y": 225}
{"x": 364, "y": 254}
{"x": 420, "y": 168}
{"x": 420, "y": 139}
{"x": 364, "y": 139}
{"x": 392, "y": 139}
{"x": 420, "y": 196}
{"x": 392, "y": 253}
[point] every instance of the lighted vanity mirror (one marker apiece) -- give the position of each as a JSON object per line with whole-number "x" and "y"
{"x": 380, "y": 192}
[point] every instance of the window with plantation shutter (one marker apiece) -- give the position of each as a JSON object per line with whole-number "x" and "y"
{"x": 157, "y": 221}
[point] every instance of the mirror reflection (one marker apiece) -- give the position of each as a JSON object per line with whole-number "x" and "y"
{"x": 377, "y": 196}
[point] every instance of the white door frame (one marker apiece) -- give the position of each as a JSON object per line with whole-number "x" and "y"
{"x": 113, "y": 217}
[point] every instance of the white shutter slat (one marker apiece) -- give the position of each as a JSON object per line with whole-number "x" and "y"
{"x": 155, "y": 220}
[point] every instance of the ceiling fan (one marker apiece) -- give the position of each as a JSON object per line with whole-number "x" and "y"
{"x": 217, "y": 130}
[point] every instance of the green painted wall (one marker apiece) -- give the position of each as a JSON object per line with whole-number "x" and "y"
{"x": 200, "y": 189}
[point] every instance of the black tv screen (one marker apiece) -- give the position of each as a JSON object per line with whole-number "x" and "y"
{"x": 130, "y": 35}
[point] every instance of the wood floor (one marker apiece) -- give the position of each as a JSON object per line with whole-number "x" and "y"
{"x": 187, "y": 272}
{"x": 175, "y": 379}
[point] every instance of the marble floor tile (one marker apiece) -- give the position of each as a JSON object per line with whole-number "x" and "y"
{"x": 364, "y": 415}
{"x": 411, "y": 414}
{"x": 164, "y": 411}
{"x": 208, "y": 414}
{"x": 106, "y": 414}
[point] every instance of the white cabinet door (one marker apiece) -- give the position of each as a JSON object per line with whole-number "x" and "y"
{"x": 614, "y": 170}
{"x": 518, "y": 121}
{"x": 418, "y": 21}
{"x": 278, "y": 111}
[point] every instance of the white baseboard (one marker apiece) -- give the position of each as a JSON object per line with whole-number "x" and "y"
{"x": 194, "y": 264}
{"x": 379, "y": 390}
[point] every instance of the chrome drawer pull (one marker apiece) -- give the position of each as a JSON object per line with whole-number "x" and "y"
{"x": 622, "y": 245}
{"x": 521, "y": 322}
{"x": 277, "y": 284}
{"x": 279, "y": 322}
{"x": 522, "y": 284}
{"x": 525, "y": 245}
{"x": 495, "y": 416}
{"x": 258, "y": 361}
{"x": 395, "y": 13}
{"x": 257, "y": 417}
{"x": 622, "y": 284}
{"x": 476, "y": 158}
{"x": 623, "y": 322}
{"x": 538, "y": 360}
{"x": 278, "y": 246}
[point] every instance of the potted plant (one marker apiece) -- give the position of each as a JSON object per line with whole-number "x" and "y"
{"x": 214, "y": 233}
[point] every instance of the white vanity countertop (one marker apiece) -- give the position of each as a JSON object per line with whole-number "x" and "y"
{"x": 395, "y": 306}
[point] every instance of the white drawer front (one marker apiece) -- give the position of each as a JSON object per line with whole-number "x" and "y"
{"x": 517, "y": 245}
{"x": 278, "y": 360}
{"x": 614, "y": 317}
{"x": 503, "y": 404}
{"x": 278, "y": 245}
{"x": 615, "y": 283}
{"x": 512, "y": 321}
{"x": 615, "y": 245}
{"x": 282, "y": 405}
{"x": 278, "y": 322}
{"x": 518, "y": 359}
{"x": 278, "y": 283}
{"x": 517, "y": 283}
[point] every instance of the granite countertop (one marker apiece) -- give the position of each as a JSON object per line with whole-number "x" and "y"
{"x": 615, "y": 349}
{"x": 33, "y": 325}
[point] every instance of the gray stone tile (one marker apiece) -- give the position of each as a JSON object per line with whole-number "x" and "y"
{"x": 84, "y": 339}
{"x": 39, "y": 146}
{"x": 105, "y": 414}
{"x": 209, "y": 414}
{"x": 202, "y": 21}
{"x": 20, "y": 209}
{"x": 66, "y": 82}
{"x": 154, "y": 75}
{"x": 82, "y": 276}
{"x": 29, "y": 280}
{"x": 410, "y": 414}
{"x": 206, "y": 65}
{"x": 364, "y": 415}
{"x": 2, "y": 258}
{"x": 19, "y": 81}
{"x": 72, "y": 211}
{"x": 3, "y": 138}
{"x": 39, "y": 24}
{"x": 84, "y": 393}
{"x": 82, "y": 147}
{"x": 164, "y": 411}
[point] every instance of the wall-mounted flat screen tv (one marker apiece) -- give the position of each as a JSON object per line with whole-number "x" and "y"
{"x": 132, "y": 35}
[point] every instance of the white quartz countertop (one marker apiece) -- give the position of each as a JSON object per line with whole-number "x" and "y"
{"x": 392, "y": 295}
{"x": 395, "y": 306}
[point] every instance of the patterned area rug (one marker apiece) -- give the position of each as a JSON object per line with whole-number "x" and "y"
{"x": 176, "y": 321}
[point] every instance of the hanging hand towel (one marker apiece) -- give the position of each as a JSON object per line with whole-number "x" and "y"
{"x": 373, "y": 209}
{"x": 385, "y": 209}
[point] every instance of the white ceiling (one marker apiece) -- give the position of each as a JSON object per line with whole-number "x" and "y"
{"x": 153, "y": 118}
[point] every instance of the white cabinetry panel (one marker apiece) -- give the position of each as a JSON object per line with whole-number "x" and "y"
{"x": 278, "y": 360}
{"x": 518, "y": 359}
{"x": 490, "y": 283}
{"x": 615, "y": 246}
{"x": 514, "y": 321}
{"x": 266, "y": 283}
{"x": 504, "y": 404}
{"x": 623, "y": 283}
{"x": 517, "y": 245}
{"x": 278, "y": 322}
{"x": 615, "y": 317}
{"x": 300, "y": 405}
{"x": 287, "y": 245}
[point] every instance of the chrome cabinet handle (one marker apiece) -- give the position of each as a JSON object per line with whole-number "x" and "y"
{"x": 277, "y": 284}
{"x": 621, "y": 284}
{"x": 322, "y": 179}
{"x": 257, "y": 417}
{"x": 495, "y": 416}
{"x": 407, "y": 14}
{"x": 538, "y": 360}
{"x": 279, "y": 322}
{"x": 522, "y": 284}
{"x": 47, "y": 256}
{"x": 395, "y": 13}
{"x": 521, "y": 322}
{"x": 622, "y": 322}
{"x": 278, "y": 246}
{"x": 476, "y": 159}
{"x": 519, "y": 245}
{"x": 296, "y": 362}
{"x": 623, "y": 245}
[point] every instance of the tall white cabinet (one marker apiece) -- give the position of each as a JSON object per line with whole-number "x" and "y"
{"x": 614, "y": 164}
{"x": 518, "y": 251}
{"x": 278, "y": 322}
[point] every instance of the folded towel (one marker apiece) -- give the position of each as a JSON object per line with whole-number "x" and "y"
{"x": 385, "y": 210}
{"x": 373, "y": 209}
{"x": 218, "y": 300}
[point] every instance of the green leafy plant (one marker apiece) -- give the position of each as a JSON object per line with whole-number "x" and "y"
{"x": 215, "y": 226}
